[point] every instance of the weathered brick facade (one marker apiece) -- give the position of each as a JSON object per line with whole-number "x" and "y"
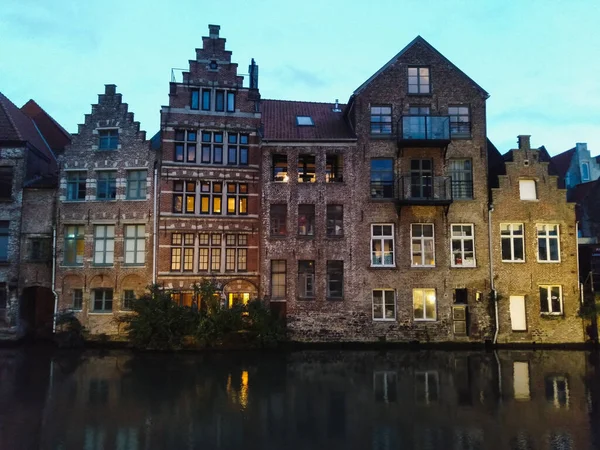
{"x": 209, "y": 179}
{"x": 524, "y": 278}
{"x": 105, "y": 215}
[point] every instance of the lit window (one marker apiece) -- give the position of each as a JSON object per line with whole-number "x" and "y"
{"x": 184, "y": 197}
{"x": 422, "y": 245}
{"x": 182, "y": 252}
{"x": 382, "y": 245}
{"x": 462, "y": 245}
{"x": 418, "y": 80}
{"x": 334, "y": 169}
{"x": 306, "y": 169}
{"x": 237, "y": 198}
{"x": 381, "y": 120}
{"x": 424, "y": 304}
{"x": 511, "y": 235}
{"x": 280, "y": 168}
{"x": 304, "y": 121}
{"x": 527, "y": 190}
{"x": 548, "y": 243}
{"x": 278, "y": 279}
{"x": 108, "y": 139}
{"x": 74, "y": 245}
{"x": 550, "y": 299}
{"x": 384, "y": 304}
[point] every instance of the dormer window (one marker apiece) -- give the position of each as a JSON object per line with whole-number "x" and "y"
{"x": 108, "y": 139}
{"x": 418, "y": 80}
{"x": 304, "y": 121}
{"x": 213, "y": 65}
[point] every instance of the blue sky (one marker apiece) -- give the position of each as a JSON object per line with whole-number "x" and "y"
{"x": 539, "y": 60}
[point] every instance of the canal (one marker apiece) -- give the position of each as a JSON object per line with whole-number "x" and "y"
{"x": 398, "y": 399}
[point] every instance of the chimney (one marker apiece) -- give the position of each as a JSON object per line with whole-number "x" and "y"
{"x": 110, "y": 89}
{"x": 524, "y": 142}
{"x": 253, "y": 71}
{"x": 213, "y": 31}
{"x": 581, "y": 147}
{"x": 336, "y": 108}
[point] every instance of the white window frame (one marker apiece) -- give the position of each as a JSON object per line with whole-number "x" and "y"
{"x": 555, "y": 379}
{"x": 512, "y": 237}
{"x": 382, "y": 239}
{"x": 462, "y": 239}
{"x": 525, "y": 190}
{"x": 421, "y": 240}
{"x": 548, "y": 239}
{"x": 423, "y": 298}
{"x": 548, "y": 288}
{"x": 134, "y": 238}
{"x": 104, "y": 245}
{"x": 383, "y": 318}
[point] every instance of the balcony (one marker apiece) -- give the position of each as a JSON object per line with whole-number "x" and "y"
{"x": 423, "y": 131}
{"x": 424, "y": 190}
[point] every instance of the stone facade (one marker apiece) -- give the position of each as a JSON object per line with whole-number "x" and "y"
{"x": 534, "y": 248}
{"x": 209, "y": 183}
{"x": 105, "y": 215}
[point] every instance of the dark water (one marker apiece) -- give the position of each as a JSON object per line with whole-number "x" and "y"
{"x": 302, "y": 400}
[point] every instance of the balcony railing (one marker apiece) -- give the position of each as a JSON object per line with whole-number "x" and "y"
{"x": 419, "y": 189}
{"x": 427, "y": 131}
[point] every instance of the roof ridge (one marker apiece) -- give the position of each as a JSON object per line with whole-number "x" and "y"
{"x": 4, "y": 98}
{"x": 299, "y": 101}
{"x": 58, "y": 125}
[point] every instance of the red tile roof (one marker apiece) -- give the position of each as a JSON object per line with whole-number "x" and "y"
{"x": 56, "y": 136}
{"x": 562, "y": 162}
{"x": 279, "y": 121}
{"x": 17, "y": 128}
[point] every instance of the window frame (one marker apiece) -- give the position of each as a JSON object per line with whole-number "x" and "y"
{"x": 105, "y": 240}
{"x": 283, "y": 272}
{"x": 379, "y": 183}
{"x": 186, "y": 146}
{"x": 421, "y": 240}
{"x": 182, "y": 194}
{"x": 383, "y": 317}
{"x": 548, "y": 288}
{"x": 77, "y": 240}
{"x": 109, "y": 185}
{"x": 136, "y": 178}
{"x": 457, "y": 115}
{"x": 276, "y": 160}
{"x": 104, "y": 300}
{"x": 138, "y": 240}
{"x": 203, "y": 99}
{"x": 522, "y": 184}
{"x": 108, "y": 139}
{"x": 194, "y": 99}
{"x": 382, "y": 238}
{"x": 77, "y": 299}
{"x": 74, "y": 182}
{"x": 420, "y": 84}
{"x": 382, "y": 126}
{"x": 128, "y": 297}
{"x": 334, "y": 216}
{"x": 461, "y": 179}
{"x": 306, "y": 161}
{"x": 423, "y": 298}
{"x": 39, "y": 249}
{"x": 180, "y": 254}
{"x": 512, "y": 237}
{"x": 462, "y": 239}
{"x": 334, "y": 168}
{"x": 306, "y": 212}
{"x": 548, "y": 238}
{"x": 335, "y": 268}
{"x": 306, "y": 277}
{"x": 4, "y": 240}
{"x": 276, "y": 216}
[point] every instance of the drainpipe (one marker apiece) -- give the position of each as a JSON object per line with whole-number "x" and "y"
{"x": 154, "y": 228}
{"x": 54, "y": 278}
{"x": 492, "y": 286}
{"x": 577, "y": 255}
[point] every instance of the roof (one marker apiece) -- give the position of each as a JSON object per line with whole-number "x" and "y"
{"x": 156, "y": 141}
{"x": 417, "y": 40}
{"x": 279, "y": 121}
{"x": 562, "y": 162}
{"x": 56, "y": 136}
{"x": 496, "y": 166}
{"x": 49, "y": 181}
{"x": 579, "y": 192}
{"x": 16, "y": 127}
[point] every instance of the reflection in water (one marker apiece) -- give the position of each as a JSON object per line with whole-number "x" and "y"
{"x": 304, "y": 400}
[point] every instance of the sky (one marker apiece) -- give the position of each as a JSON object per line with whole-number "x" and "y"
{"x": 539, "y": 60}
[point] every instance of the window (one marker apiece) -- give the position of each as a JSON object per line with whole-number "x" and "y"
{"x": 460, "y": 121}
{"x": 182, "y": 252}
{"x": 237, "y": 149}
{"x": 103, "y": 300}
{"x": 108, "y": 139}
{"x": 74, "y": 245}
{"x": 418, "y": 80}
{"x": 461, "y": 173}
{"x": 557, "y": 391}
{"x": 236, "y": 252}
{"x": 335, "y": 220}
{"x": 278, "y": 279}
{"x": 76, "y": 186}
{"x": 185, "y": 145}
{"x": 210, "y": 251}
{"x": 280, "y": 168}
{"x": 106, "y": 188}
{"x": 128, "y": 298}
{"x": 77, "y": 299}
{"x": 382, "y": 245}
{"x": 382, "y": 178}
{"x": 135, "y": 244}
{"x": 335, "y": 279}
{"x": 424, "y": 304}
{"x": 215, "y": 253}
{"x": 551, "y": 299}
{"x": 278, "y": 215}
{"x": 422, "y": 245}
{"x": 4, "y": 240}
{"x": 421, "y": 178}
{"x": 415, "y": 126}
{"x": 6, "y": 181}
{"x": 136, "y": 184}
{"x": 304, "y": 121}
{"x": 527, "y": 190}
{"x": 237, "y": 198}
{"x": 184, "y": 197}
{"x": 585, "y": 171}
{"x": 205, "y": 99}
{"x": 381, "y": 120}
{"x": 548, "y": 243}
{"x": 195, "y": 99}
{"x": 230, "y": 101}
{"x": 306, "y": 169}
{"x": 220, "y": 101}
{"x": 511, "y": 235}
{"x": 211, "y": 197}
{"x": 104, "y": 244}
{"x": 334, "y": 169}
{"x": 212, "y": 148}
{"x": 462, "y": 245}
{"x": 39, "y": 249}
{"x": 306, "y": 220}
{"x": 461, "y": 296}
{"x": 384, "y": 304}
{"x": 306, "y": 279}
{"x": 427, "y": 387}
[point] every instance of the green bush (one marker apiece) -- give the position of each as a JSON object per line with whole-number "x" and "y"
{"x": 69, "y": 331}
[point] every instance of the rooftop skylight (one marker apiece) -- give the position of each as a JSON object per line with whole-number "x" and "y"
{"x": 304, "y": 121}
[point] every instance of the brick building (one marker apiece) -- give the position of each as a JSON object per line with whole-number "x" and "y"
{"x": 534, "y": 246}
{"x": 105, "y": 215}
{"x": 27, "y": 168}
{"x": 209, "y": 178}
